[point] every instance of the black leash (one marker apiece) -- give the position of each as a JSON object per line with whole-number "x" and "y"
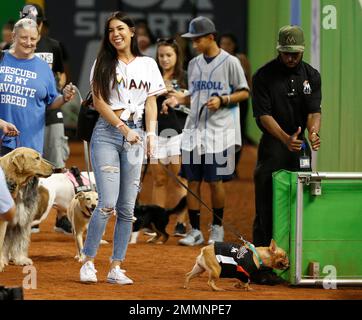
{"x": 171, "y": 174}
{"x": 145, "y": 168}
{"x": 233, "y": 230}
{"x": 201, "y": 110}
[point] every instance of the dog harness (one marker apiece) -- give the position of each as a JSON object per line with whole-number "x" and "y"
{"x": 235, "y": 261}
{"x": 79, "y": 182}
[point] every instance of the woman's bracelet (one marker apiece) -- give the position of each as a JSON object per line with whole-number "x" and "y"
{"x": 120, "y": 124}
{"x": 151, "y": 133}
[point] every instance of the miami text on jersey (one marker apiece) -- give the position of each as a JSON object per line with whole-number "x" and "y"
{"x": 132, "y": 84}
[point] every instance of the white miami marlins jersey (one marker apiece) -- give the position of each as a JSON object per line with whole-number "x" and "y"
{"x": 213, "y": 131}
{"x": 136, "y": 81}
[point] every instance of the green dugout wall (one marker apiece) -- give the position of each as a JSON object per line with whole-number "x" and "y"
{"x": 323, "y": 229}
{"x": 340, "y": 27}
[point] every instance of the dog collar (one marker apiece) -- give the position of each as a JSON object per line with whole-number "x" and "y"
{"x": 252, "y": 248}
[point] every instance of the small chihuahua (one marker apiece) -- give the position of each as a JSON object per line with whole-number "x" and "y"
{"x": 230, "y": 260}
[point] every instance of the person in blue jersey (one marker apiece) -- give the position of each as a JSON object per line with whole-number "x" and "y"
{"x": 216, "y": 84}
{"x": 27, "y": 88}
{"x": 56, "y": 149}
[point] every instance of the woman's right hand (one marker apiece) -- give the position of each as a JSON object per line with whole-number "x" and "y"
{"x": 131, "y": 136}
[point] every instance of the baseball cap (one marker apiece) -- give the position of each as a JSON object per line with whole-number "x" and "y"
{"x": 200, "y": 26}
{"x": 291, "y": 39}
{"x": 33, "y": 11}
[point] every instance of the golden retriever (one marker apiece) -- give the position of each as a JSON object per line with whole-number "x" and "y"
{"x": 22, "y": 167}
{"x": 79, "y": 212}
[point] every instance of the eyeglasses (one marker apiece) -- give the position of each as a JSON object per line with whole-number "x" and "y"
{"x": 166, "y": 40}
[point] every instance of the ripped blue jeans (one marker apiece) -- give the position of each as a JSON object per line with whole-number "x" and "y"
{"x": 117, "y": 169}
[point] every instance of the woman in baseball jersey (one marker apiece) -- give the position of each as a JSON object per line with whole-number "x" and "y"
{"x": 124, "y": 86}
{"x": 170, "y": 125}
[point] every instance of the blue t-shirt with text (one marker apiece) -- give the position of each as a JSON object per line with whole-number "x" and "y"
{"x": 27, "y": 87}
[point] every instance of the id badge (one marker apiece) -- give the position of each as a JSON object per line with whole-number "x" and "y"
{"x": 304, "y": 162}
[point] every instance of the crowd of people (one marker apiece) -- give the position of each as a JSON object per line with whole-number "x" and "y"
{"x": 187, "y": 118}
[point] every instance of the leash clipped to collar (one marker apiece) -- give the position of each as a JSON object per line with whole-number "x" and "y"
{"x": 252, "y": 248}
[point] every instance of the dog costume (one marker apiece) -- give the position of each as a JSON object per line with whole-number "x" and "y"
{"x": 235, "y": 261}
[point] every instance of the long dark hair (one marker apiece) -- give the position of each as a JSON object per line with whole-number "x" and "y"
{"x": 179, "y": 72}
{"x": 233, "y": 38}
{"x": 107, "y": 58}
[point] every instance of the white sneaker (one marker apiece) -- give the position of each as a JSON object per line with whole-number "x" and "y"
{"x": 193, "y": 238}
{"x": 35, "y": 229}
{"x": 117, "y": 275}
{"x": 88, "y": 272}
{"x": 216, "y": 234}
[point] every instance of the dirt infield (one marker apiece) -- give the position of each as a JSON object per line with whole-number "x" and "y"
{"x": 158, "y": 270}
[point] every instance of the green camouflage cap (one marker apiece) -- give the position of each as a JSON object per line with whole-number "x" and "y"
{"x": 291, "y": 39}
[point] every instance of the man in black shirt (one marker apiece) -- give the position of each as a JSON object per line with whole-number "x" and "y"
{"x": 286, "y": 101}
{"x": 56, "y": 148}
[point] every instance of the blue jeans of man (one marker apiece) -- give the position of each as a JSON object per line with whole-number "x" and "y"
{"x": 117, "y": 169}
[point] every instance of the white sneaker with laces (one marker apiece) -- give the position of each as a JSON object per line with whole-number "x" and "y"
{"x": 216, "y": 234}
{"x": 193, "y": 238}
{"x": 117, "y": 275}
{"x": 88, "y": 272}
{"x": 35, "y": 229}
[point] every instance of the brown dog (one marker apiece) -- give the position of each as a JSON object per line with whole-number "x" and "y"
{"x": 79, "y": 212}
{"x": 22, "y": 167}
{"x": 229, "y": 260}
